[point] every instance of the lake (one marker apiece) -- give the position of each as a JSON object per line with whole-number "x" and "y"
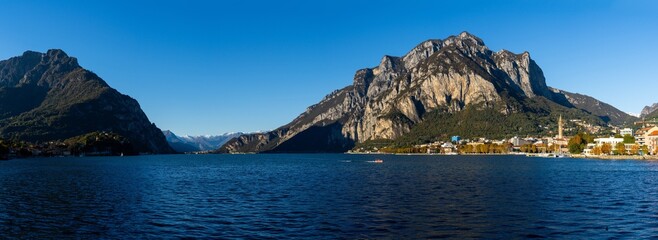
{"x": 318, "y": 196}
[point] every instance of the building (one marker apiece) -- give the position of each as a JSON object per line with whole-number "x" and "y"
{"x": 517, "y": 141}
{"x": 559, "y": 143}
{"x": 455, "y": 139}
{"x": 651, "y": 140}
{"x": 640, "y": 135}
{"x": 613, "y": 141}
{"x": 559, "y": 128}
{"x": 448, "y": 148}
{"x": 626, "y": 131}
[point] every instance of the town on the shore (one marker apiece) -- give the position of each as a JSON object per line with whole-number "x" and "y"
{"x": 590, "y": 141}
{"x": 91, "y": 144}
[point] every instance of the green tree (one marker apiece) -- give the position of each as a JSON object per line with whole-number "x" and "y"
{"x": 576, "y": 144}
{"x": 620, "y": 148}
{"x": 586, "y": 137}
{"x": 629, "y": 139}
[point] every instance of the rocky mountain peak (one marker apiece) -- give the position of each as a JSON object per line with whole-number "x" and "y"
{"x": 31, "y": 54}
{"x": 470, "y": 37}
{"x": 53, "y": 98}
{"x": 468, "y": 43}
{"x": 56, "y": 53}
{"x": 388, "y": 63}
{"x": 421, "y": 52}
{"x": 59, "y": 57}
{"x": 648, "y": 110}
{"x": 51, "y": 69}
{"x": 387, "y": 101}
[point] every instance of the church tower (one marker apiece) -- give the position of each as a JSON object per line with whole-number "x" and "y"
{"x": 559, "y": 128}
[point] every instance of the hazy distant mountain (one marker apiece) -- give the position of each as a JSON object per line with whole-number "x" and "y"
{"x": 455, "y": 86}
{"x": 197, "y": 143}
{"x": 178, "y": 144}
{"x": 48, "y": 96}
{"x": 648, "y": 110}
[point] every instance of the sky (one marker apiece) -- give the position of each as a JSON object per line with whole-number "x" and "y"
{"x": 209, "y": 67}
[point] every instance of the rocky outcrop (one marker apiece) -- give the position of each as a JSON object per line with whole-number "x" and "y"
{"x": 647, "y": 110}
{"x": 386, "y": 101}
{"x": 53, "y": 98}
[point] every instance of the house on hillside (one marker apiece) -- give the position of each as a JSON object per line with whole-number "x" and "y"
{"x": 626, "y": 131}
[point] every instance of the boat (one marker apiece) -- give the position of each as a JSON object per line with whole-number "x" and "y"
{"x": 378, "y": 161}
{"x": 554, "y": 155}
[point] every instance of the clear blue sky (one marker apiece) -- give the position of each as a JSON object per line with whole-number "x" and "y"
{"x": 208, "y": 67}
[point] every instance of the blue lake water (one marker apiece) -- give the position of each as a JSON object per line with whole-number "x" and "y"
{"x": 327, "y": 196}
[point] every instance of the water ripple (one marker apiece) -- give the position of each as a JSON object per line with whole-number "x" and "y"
{"x": 327, "y": 196}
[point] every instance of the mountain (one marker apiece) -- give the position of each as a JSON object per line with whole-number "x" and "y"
{"x": 603, "y": 110}
{"x": 647, "y": 110}
{"x": 651, "y": 115}
{"x": 455, "y": 86}
{"x": 49, "y": 96}
{"x": 178, "y": 144}
{"x": 197, "y": 143}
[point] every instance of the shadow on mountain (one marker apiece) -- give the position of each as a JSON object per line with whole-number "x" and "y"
{"x": 328, "y": 138}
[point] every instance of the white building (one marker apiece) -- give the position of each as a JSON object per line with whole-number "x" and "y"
{"x": 517, "y": 141}
{"x": 626, "y": 131}
{"x": 610, "y": 140}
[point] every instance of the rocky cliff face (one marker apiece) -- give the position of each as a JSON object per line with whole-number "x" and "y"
{"x": 48, "y": 96}
{"x": 647, "y": 110}
{"x": 386, "y": 101}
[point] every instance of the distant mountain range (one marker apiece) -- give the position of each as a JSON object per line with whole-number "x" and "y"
{"x": 197, "y": 143}
{"x": 48, "y": 96}
{"x": 455, "y": 86}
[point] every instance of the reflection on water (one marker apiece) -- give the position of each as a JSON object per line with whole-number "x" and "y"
{"x": 332, "y": 196}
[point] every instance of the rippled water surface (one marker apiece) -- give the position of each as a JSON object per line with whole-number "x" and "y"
{"x": 327, "y": 196}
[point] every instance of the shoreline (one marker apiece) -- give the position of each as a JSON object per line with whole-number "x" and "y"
{"x": 581, "y": 156}
{"x": 617, "y": 157}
